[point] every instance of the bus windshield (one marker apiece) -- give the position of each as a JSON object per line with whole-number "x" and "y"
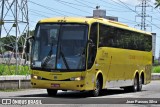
{"x": 60, "y": 46}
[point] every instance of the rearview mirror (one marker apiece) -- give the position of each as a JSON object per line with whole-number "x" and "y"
{"x": 27, "y": 49}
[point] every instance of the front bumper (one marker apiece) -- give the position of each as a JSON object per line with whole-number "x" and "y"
{"x": 59, "y": 85}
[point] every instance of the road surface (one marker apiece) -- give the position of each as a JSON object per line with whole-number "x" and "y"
{"x": 150, "y": 93}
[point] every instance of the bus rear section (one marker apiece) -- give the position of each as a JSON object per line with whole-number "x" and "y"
{"x": 124, "y": 56}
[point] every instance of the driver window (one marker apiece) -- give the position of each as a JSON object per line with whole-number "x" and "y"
{"x": 92, "y": 46}
{"x": 53, "y": 35}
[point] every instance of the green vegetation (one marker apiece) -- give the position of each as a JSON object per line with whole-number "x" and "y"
{"x": 156, "y": 69}
{"x": 7, "y": 43}
{"x": 157, "y": 3}
{"x": 24, "y": 70}
{"x": 11, "y": 70}
{"x": 155, "y": 61}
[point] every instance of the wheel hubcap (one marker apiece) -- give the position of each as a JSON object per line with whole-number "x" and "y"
{"x": 135, "y": 83}
{"x": 140, "y": 83}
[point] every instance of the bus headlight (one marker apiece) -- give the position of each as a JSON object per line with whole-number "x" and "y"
{"x": 76, "y": 78}
{"x": 36, "y": 77}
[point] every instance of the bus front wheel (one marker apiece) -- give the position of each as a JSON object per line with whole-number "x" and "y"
{"x": 97, "y": 88}
{"x": 51, "y": 92}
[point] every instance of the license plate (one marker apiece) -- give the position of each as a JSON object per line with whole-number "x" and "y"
{"x": 55, "y": 85}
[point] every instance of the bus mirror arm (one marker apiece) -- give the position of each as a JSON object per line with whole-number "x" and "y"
{"x": 27, "y": 47}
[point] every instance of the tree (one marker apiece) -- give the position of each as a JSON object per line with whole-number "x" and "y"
{"x": 8, "y": 43}
{"x": 31, "y": 33}
{"x": 157, "y": 3}
{"x": 21, "y": 41}
{"x": 1, "y": 47}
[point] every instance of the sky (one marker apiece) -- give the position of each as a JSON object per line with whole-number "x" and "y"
{"x": 123, "y": 9}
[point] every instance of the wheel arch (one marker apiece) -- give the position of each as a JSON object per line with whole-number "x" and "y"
{"x": 143, "y": 76}
{"x": 136, "y": 73}
{"x": 100, "y": 76}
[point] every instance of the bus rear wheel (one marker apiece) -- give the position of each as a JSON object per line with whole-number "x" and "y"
{"x": 97, "y": 88}
{"x": 140, "y": 83}
{"x": 51, "y": 92}
{"x": 135, "y": 86}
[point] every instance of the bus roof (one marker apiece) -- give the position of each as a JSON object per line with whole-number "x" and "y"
{"x": 90, "y": 21}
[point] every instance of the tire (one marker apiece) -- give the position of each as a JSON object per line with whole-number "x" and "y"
{"x": 97, "y": 89}
{"x": 134, "y": 88}
{"x": 52, "y": 92}
{"x": 140, "y": 84}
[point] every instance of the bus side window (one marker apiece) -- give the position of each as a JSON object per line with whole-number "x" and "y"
{"x": 93, "y": 47}
{"x": 103, "y": 35}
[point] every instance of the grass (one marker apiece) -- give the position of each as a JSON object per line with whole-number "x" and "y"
{"x": 156, "y": 69}
{"x": 24, "y": 70}
{"x": 11, "y": 70}
{"x": 155, "y": 61}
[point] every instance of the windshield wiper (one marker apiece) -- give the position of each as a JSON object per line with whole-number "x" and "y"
{"x": 64, "y": 59}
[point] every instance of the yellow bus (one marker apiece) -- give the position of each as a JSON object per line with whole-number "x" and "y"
{"x": 89, "y": 54}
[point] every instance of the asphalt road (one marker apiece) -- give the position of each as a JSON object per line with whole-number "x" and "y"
{"x": 150, "y": 96}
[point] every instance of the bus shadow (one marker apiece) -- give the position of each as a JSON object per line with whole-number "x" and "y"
{"x": 77, "y": 94}
{"x": 109, "y": 92}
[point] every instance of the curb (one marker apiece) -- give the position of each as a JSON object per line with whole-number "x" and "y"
{"x": 155, "y": 76}
{"x": 15, "y": 77}
{"x": 15, "y": 82}
{"x": 22, "y": 81}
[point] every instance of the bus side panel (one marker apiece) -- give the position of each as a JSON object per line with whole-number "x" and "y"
{"x": 122, "y": 64}
{"x": 113, "y": 63}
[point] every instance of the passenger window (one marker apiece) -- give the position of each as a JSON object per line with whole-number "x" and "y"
{"x": 110, "y": 36}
